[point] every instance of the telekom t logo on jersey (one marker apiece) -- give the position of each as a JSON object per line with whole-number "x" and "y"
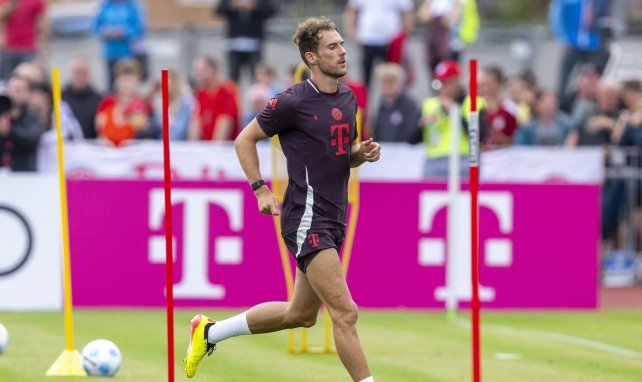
{"x": 228, "y": 250}
{"x": 497, "y": 252}
{"x": 313, "y": 239}
{"x": 341, "y": 132}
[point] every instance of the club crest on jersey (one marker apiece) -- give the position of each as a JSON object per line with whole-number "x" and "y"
{"x": 337, "y": 114}
{"x": 273, "y": 102}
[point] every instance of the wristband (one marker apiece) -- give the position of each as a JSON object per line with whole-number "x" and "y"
{"x": 258, "y": 184}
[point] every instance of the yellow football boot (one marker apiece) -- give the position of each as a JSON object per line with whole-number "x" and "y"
{"x": 198, "y": 346}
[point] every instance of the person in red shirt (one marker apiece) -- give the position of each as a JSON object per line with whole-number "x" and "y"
{"x": 500, "y": 112}
{"x": 217, "y": 106}
{"x": 24, "y": 24}
{"x": 124, "y": 115}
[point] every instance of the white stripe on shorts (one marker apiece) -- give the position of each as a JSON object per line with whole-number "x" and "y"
{"x": 306, "y": 219}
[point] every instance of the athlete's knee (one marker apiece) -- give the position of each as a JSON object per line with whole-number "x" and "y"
{"x": 300, "y": 319}
{"x": 306, "y": 321}
{"x": 346, "y": 316}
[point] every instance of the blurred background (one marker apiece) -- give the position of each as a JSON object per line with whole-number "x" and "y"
{"x": 560, "y": 99}
{"x": 560, "y": 81}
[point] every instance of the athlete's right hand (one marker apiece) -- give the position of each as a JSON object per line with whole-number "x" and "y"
{"x": 268, "y": 203}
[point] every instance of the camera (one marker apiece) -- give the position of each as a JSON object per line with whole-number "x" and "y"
{"x": 5, "y": 104}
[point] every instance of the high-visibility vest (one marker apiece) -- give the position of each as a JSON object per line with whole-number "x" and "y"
{"x": 469, "y": 26}
{"x": 437, "y": 135}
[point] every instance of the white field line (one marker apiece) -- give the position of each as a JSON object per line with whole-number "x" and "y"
{"x": 558, "y": 337}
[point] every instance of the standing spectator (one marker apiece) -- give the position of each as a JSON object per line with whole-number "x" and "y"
{"x": 119, "y": 24}
{"x": 436, "y": 130}
{"x": 41, "y": 102}
{"x": 20, "y": 130}
{"x": 580, "y": 26}
{"x": 522, "y": 89}
{"x": 265, "y": 75}
{"x": 548, "y": 127}
{"x": 26, "y": 31}
{"x": 598, "y": 125}
{"x": 582, "y": 93}
{"x": 398, "y": 115}
{"x": 500, "y": 120}
{"x": 580, "y": 104}
{"x": 450, "y": 25}
{"x": 182, "y": 107}
{"x": 258, "y": 96}
{"x": 5, "y": 129}
{"x": 245, "y": 32}
{"x": 124, "y": 115}
{"x": 82, "y": 97}
{"x": 374, "y": 25}
{"x": 440, "y": 17}
{"x": 631, "y": 137}
{"x": 361, "y": 94}
{"x": 632, "y": 102}
{"x": 217, "y": 107}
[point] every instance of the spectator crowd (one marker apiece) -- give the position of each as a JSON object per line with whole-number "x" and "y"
{"x": 587, "y": 107}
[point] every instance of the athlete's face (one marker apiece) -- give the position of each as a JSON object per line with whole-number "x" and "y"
{"x": 331, "y": 56}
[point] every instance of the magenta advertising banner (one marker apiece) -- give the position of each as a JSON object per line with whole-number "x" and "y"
{"x": 539, "y": 246}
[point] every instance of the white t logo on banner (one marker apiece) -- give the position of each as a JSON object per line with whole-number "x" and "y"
{"x": 196, "y": 239}
{"x": 432, "y": 251}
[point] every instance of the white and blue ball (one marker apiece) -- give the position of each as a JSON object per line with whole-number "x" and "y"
{"x": 4, "y": 339}
{"x": 101, "y": 358}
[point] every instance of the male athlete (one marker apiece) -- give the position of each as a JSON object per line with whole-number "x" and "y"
{"x": 315, "y": 122}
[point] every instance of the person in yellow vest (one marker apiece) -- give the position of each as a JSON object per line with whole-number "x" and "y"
{"x": 435, "y": 122}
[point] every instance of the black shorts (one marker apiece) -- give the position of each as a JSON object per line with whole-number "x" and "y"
{"x": 311, "y": 243}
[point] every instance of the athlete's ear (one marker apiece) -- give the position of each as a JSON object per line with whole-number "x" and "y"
{"x": 311, "y": 57}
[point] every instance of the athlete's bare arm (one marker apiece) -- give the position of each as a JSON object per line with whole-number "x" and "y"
{"x": 366, "y": 151}
{"x": 245, "y": 145}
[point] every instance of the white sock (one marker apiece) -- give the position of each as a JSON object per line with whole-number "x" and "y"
{"x": 369, "y": 379}
{"x": 231, "y": 327}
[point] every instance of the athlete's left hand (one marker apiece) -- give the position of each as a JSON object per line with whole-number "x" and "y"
{"x": 370, "y": 150}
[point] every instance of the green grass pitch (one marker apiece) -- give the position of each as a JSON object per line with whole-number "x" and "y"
{"x": 401, "y": 346}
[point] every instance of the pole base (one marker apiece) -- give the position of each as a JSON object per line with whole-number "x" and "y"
{"x": 69, "y": 363}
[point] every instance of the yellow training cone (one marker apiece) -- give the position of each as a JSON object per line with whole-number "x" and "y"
{"x": 69, "y": 363}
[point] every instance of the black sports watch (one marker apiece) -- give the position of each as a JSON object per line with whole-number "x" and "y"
{"x": 258, "y": 184}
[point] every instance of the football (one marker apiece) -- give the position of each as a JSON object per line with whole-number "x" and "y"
{"x": 101, "y": 358}
{"x": 4, "y": 339}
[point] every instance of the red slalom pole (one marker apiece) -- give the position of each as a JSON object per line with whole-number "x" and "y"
{"x": 473, "y": 141}
{"x": 169, "y": 260}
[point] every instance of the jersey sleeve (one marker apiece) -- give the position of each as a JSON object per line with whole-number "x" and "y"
{"x": 278, "y": 115}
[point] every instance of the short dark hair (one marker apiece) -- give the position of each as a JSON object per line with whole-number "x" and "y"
{"x": 128, "y": 66}
{"x": 307, "y": 34}
{"x": 497, "y": 72}
{"x": 632, "y": 85}
{"x": 529, "y": 78}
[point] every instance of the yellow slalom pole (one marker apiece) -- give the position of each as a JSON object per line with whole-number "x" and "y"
{"x": 298, "y": 73}
{"x": 69, "y": 362}
{"x": 278, "y": 189}
{"x": 69, "y": 319}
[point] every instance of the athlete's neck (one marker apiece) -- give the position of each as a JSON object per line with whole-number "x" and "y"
{"x": 325, "y": 84}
